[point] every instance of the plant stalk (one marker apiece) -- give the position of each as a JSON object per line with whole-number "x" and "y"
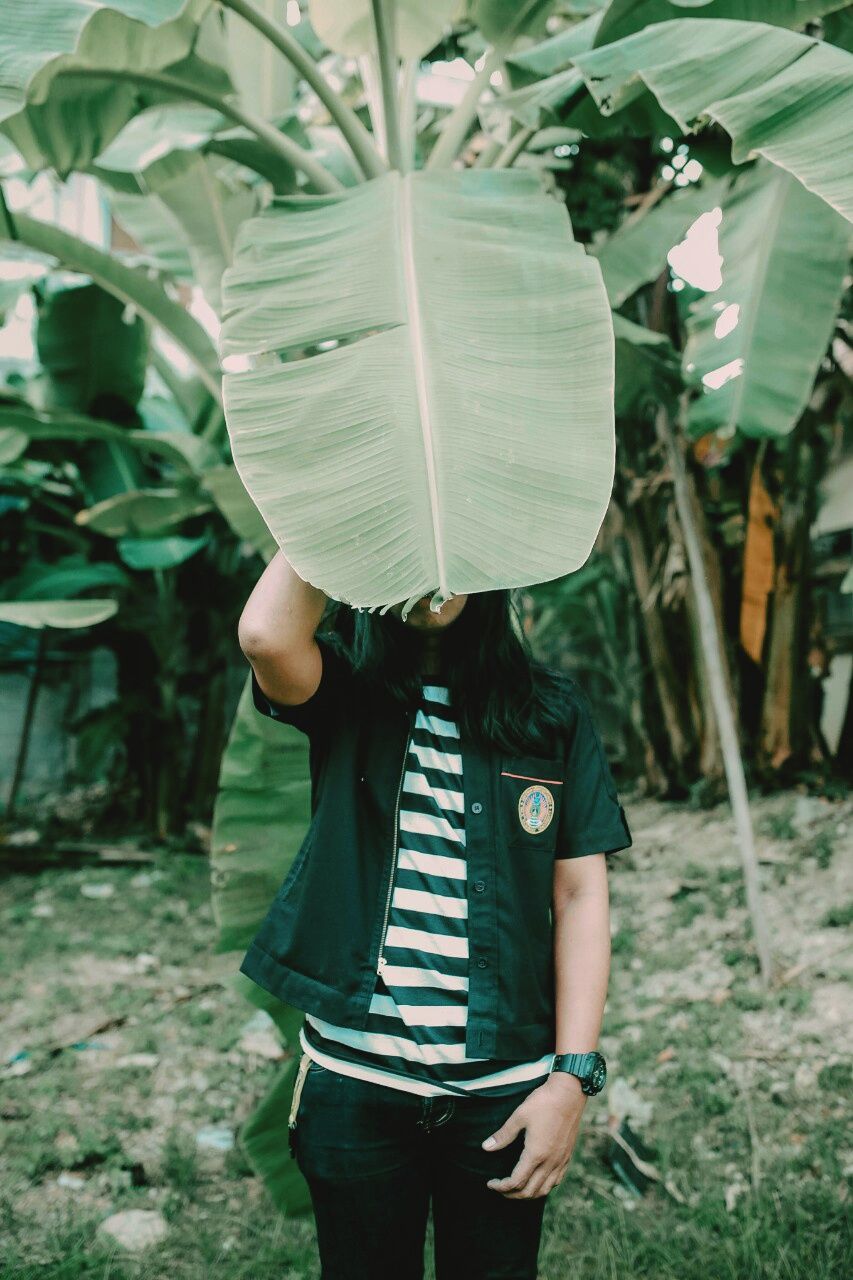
{"x": 27, "y": 725}
{"x": 457, "y": 124}
{"x": 507, "y": 157}
{"x": 267, "y": 133}
{"x": 383, "y": 22}
{"x": 409, "y": 111}
{"x": 357, "y": 137}
{"x": 714, "y": 657}
{"x": 130, "y": 284}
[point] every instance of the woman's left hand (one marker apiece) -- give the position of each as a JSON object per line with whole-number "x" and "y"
{"x": 550, "y": 1117}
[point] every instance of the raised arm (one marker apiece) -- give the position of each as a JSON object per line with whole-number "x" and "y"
{"x": 276, "y": 633}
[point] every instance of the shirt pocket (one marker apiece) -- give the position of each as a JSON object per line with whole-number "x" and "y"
{"x": 530, "y": 790}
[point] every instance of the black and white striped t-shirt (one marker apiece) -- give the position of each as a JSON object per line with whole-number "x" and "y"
{"x": 415, "y": 1034}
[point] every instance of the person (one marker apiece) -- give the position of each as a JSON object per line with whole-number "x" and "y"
{"x": 444, "y": 925}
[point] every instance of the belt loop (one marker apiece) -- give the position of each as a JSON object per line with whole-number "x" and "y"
{"x": 304, "y": 1064}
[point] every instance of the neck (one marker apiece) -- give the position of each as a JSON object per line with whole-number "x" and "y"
{"x": 431, "y": 656}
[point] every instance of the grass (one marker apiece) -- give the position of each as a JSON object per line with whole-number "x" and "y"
{"x": 743, "y": 1095}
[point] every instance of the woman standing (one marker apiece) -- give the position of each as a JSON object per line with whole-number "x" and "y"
{"x": 444, "y": 925}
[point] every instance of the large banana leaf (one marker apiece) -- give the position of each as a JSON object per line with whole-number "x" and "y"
{"x": 262, "y": 810}
{"x": 462, "y": 440}
{"x": 624, "y": 17}
{"x": 777, "y": 94}
{"x": 43, "y": 39}
{"x": 766, "y": 329}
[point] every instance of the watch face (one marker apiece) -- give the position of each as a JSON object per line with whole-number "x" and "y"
{"x": 595, "y": 1080}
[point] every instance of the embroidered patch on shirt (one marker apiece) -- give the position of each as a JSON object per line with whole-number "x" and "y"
{"x": 535, "y": 808}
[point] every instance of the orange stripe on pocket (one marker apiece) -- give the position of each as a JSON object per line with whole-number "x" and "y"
{"x": 554, "y": 782}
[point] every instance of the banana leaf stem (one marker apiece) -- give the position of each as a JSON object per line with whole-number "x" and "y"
{"x": 513, "y": 149}
{"x": 409, "y": 110}
{"x": 130, "y": 284}
{"x": 383, "y": 22}
{"x": 357, "y": 137}
{"x": 488, "y": 155}
{"x": 267, "y": 133}
{"x": 458, "y": 123}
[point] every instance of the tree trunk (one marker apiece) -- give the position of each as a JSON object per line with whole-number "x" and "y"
{"x": 663, "y": 669}
{"x": 719, "y": 682}
{"x": 785, "y": 716}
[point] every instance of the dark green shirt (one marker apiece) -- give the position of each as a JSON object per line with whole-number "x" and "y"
{"x": 318, "y": 946}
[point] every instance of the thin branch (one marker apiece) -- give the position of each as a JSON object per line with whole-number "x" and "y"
{"x": 274, "y": 139}
{"x": 358, "y": 138}
{"x": 383, "y": 22}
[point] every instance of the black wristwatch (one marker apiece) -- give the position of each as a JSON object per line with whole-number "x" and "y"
{"x": 590, "y": 1069}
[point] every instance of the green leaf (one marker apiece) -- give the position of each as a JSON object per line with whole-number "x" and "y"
{"x": 189, "y": 452}
{"x": 200, "y": 202}
{"x": 346, "y": 26}
{"x": 502, "y": 21}
{"x": 543, "y": 78}
{"x": 624, "y": 17}
{"x": 36, "y": 425}
{"x": 646, "y": 366}
{"x": 70, "y": 577}
{"x": 554, "y": 54}
{"x": 783, "y": 96}
{"x": 129, "y": 284}
{"x": 464, "y": 440}
{"x": 12, "y": 444}
{"x": 264, "y": 1139}
{"x": 228, "y": 492}
{"x": 636, "y": 253}
{"x": 782, "y": 247}
{"x": 64, "y": 121}
{"x": 65, "y": 614}
{"x": 158, "y": 553}
{"x": 145, "y": 513}
{"x": 262, "y": 811}
{"x": 265, "y": 81}
{"x": 92, "y": 347}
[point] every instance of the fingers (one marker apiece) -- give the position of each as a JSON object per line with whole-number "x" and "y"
{"x": 529, "y": 1179}
{"x": 503, "y": 1136}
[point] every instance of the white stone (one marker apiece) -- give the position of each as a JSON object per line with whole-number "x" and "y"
{"x": 215, "y": 1138}
{"x": 104, "y": 890}
{"x": 135, "y": 1229}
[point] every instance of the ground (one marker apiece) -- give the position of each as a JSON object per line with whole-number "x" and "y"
{"x": 127, "y": 1067}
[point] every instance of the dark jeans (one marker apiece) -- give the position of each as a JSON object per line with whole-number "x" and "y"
{"x": 374, "y": 1158}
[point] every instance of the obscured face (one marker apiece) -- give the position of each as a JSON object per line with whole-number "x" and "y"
{"x": 421, "y": 618}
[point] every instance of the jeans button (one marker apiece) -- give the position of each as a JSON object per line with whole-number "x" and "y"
{"x": 479, "y": 886}
{"x": 476, "y": 807}
{"x": 482, "y": 962}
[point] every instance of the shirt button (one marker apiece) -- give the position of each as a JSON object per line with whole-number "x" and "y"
{"x": 476, "y": 807}
{"x": 479, "y": 886}
{"x": 482, "y": 962}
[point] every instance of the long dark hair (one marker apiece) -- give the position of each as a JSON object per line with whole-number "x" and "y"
{"x": 500, "y": 693}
